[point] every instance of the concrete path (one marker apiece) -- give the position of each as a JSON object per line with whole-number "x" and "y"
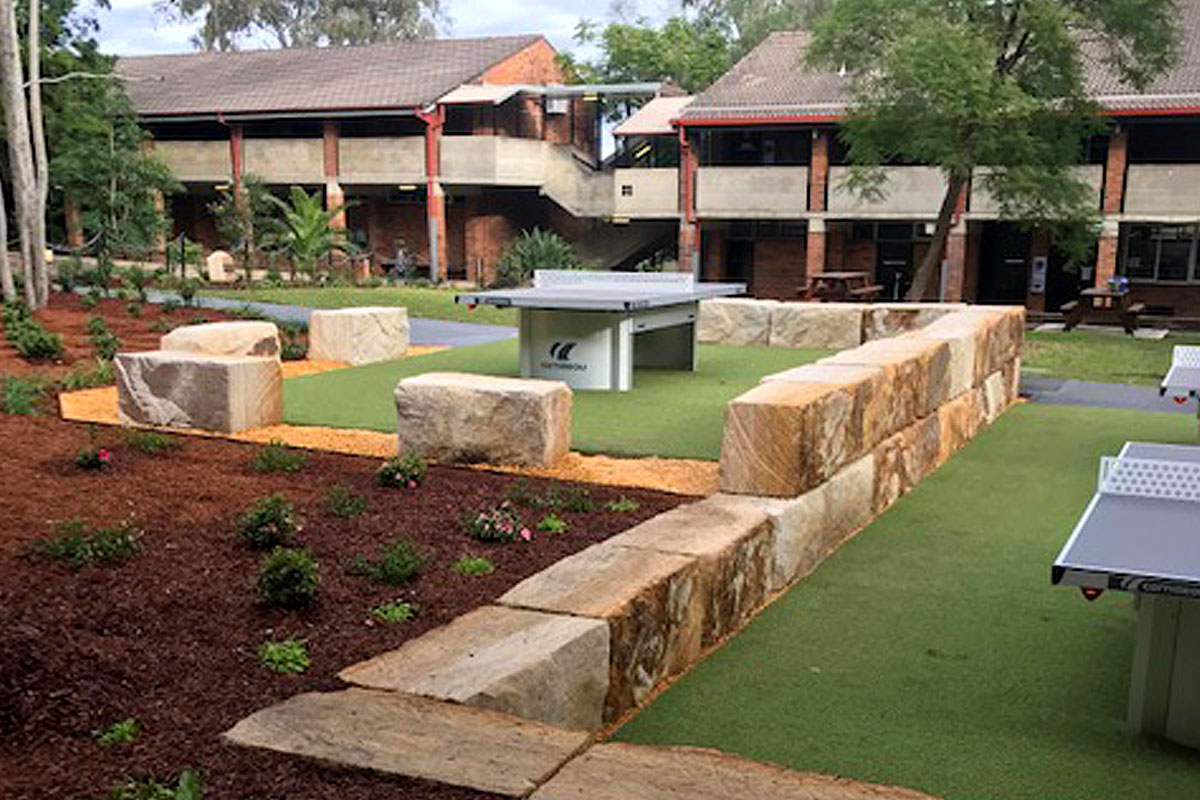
{"x": 421, "y": 331}
{"x": 1069, "y": 392}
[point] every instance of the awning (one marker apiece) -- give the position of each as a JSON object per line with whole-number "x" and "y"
{"x": 654, "y": 118}
{"x": 479, "y": 94}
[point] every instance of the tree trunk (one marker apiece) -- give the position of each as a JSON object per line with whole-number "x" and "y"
{"x": 941, "y": 232}
{"x": 6, "y": 278}
{"x": 20, "y": 151}
{"x": 40, "y": 160}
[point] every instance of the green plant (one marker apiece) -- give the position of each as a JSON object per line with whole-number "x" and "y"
{"x": 341, "y": 501}
{"x": 104, "y": 341}
{"x": 406, "y": 471}
{"x": 162, "y": 326}
{"x": 289, "y": 657}
{"x": 622, "y": 504}
{"x": 90, "y": 300}
{"x": 473, "y": 565}
{"x": 136, "y": 281}
{"x": 552, "y": 523}
{"x": 96, "y": 324}
{"x": 34, "y": 342}
{"x": 293, "y": 347}
{"x": 288, "y": 578}
{"x": 188, "y": 786}
{"x": 187, "y": 290}
{"x": 276, "y": 456}
{"x": 72, "y": 545}
{"x": 69, "y": 272}
{"x": 14, "y": 313}
{"x": 120, "y": 732}
{"x": 93, "y": 458}
{"x": 305, "y": 232}
{"x": 498, "y": 524}
{"x": 170, "y": 306}
{"x": 150, "y": 442}
{"x": 573, "y": 498}
{"x": 271, "y": 522}
{"x": 21, "y": 395}
{"x": 197, "y": 320}
{"x": 395, "y": 612}
{"x": 534, "y": 249}
{"x": 397, "y": 563}
{"x": 134, "y": 308}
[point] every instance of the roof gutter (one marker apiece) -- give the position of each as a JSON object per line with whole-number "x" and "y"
{"x": 261, "y": 116}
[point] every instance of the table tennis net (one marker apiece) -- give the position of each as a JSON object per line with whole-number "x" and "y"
{"x": 1183, "y": 355}
{"x": 1152, "y": 478}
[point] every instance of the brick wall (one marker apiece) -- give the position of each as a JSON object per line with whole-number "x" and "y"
{"x": 387, "y": 223}
{"x": 778, "y": 268}
{"x": 534, "y": 64}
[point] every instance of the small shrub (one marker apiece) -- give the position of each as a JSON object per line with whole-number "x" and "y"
{"x": 134, "y": 308}
{"x": 188, "y": 787}
{"x": 90, "y": 300}
{"x": 402, "y": 472}
{"x": 341, "y": 501}
{"x": 552, "y": 523}
{"x": 170, "y": 305}
{"x": 21, "y": 395}
{"x": 118, "y": 733}
{"x": 288, "y": 578}
{"x": 83, "y": 376}
{"x": 162, "y": 326}
{"x": 34, "y": 342}
{"x": 136, "y": 281}
{"x": 498, "y": 524}
{"x": 96, "y": 325}
{"x": 93, "y": 458}
{"x": 198, "y": 320}
{"x": 73, "y": 546}
{"x": 395, "y": 612}
{"x": 534, "y": 249}
{"x": 14, "y": 313}
{"x": 187, "y": 290}
{"x": 474, "y": 565}
{"x": 272, "y": 522}
{"x": 576, "y": 499}
{"x": 275, "y": 456}
{"x": 105, "y": 345}
{"x": 288, "y": 657}
{"x": 69, "y": 272}
{"x": 622, "y": 505}
{"x": 150, "y": 442}
{"x": 397, "y": 564}
{"x": 293, "y": 347}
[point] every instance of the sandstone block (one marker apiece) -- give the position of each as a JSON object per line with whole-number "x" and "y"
{"x": 653, "y": 603}
{"x": 959, "y": 420}
{"x": 1003, "y": 335}
{"x": 915, "y": 370}
{"x": 196, "y": 390}
{"x": 618, "y": 771}
{"x": 732, "y": 543}
{"x": 884, "y": 320}
{"x": 454, "y": 417}
{"x": 995, "y": 396}
{"x": 736, "y": 320}
{"x": 358, "y": 335}
{"x": 413, "y": 736}
{"x": 902, "y": 460}
{"x": 546, "y": 667}
{"x": 834, "y": 326}
{"x": 782, "y": 438}
{"x": 218, "y": 267}
{"x": 963, "y": 334}
{"x": 866, "y": 385}
{"x": 250, "y": 338}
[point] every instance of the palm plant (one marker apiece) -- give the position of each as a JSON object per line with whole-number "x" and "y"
{"x": 304, "y": 231}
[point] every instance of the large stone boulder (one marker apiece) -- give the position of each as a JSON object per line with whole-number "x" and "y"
{"x": 225, "y": 339}
{"x": 736, "y": 320}
{"x": 547, "y": 667}
{"x": 358, "y": 335}
{"x": 884, "y": 320}
{"x": 868, "y": 388}
{"x": 218, "y": 267}
{"x": 831, "y": 326}
{"x": 454, "y": 417}
{"x": 196, "y": 390}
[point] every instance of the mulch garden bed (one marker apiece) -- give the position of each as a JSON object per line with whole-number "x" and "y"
{"x": 170, "y": 636}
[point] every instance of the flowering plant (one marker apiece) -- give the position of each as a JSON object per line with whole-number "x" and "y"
{"x": 94, "y": 458}
{"x": 403, "y": 472}
{"x": 498, "y": 524}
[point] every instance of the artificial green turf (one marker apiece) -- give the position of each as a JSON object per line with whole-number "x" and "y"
{"x": 1101, "y": 357}
{"x": 932, "y": 652}
{"x": 670, "y": 413}
{"x": 429, "y": 303}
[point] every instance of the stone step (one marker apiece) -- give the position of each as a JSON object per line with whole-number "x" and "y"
{"x": 636, "y": 772}
{"x": 413, "y": 736}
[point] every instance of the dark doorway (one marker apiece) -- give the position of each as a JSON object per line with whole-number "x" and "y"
{"x": 1063, "y": 282}
{"x": 893, "y": 269}
{"x": 739, "y": 261}
{"x": 1003, "y": 264}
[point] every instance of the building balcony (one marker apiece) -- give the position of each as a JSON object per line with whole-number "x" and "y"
{"x": 493, "y": 161}
{"x": 767, "y": 192}
{"x": 197, "y": 162}
{"x": 389, "y": 160}
{"x": 1163, "y": 192}
{"x": 907, "y": 193}
{"x": 984, "y": 206}
{"x": 289, "y": 161}
{"x": 646, "y": 193}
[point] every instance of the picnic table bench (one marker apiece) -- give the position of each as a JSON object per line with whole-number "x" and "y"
{"x": 1103, "y": 307}
{"x": 841, "y": 287}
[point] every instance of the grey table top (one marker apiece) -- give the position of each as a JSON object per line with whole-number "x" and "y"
{"x": 593, "y": 297}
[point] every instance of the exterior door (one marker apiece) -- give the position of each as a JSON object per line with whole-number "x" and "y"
{"x": 1004, "y": 264}
{"x": 893, "y": 269}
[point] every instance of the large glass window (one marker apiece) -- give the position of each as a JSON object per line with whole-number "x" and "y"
{"x": 1161, "y": 253}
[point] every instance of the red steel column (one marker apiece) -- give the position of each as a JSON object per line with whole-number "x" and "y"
{"x": 818, "y": 181}
{"x": 334, "y": 196}
{"x": 435, "y": 198}
{"x": 689, "y": 226}
{"x": 1113, "y": 204}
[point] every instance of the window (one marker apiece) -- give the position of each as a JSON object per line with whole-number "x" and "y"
{"x": 1161, "y": 253}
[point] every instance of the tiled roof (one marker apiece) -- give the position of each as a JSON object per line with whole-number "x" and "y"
{"x": 655, "y": 118}
{"x": 371, "y": 77}
{"x": 773, "y": 83}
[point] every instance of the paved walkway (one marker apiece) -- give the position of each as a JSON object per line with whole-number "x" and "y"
{"x": 1069, "y": 392}
{"x": 421, "y": 331}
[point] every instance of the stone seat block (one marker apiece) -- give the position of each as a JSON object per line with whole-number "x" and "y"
{"x": 884, "y": 320}
{"x": 455, "y": 417}
{"x": 358, "y": 335}
{"x": 1002, "y": 339}
{"x": 736, "y": 320}
{"x": 964, "y": 335}
{"x": 551, "y": 668}
{"x": 251, "y": 338}
{"x": 869, "y": 391}
{"x": 834, "y": 326}
{"x": 195, "y": 390}
{"x": 916, "y": 369}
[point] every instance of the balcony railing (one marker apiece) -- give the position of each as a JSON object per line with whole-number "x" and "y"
{"x": 984, "y": 206}
{"x": 1163, "y": 190}
{"x": 285, "y": 160}
{"x": 907, "y": 193}
{"x": 382, "y": 159}
{"x": 196, "y": 162}
{"x": 768, "y": 192}
{"x": 646, "y": 193}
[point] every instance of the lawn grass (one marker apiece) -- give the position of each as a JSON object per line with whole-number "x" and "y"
{"x": 932, "y": 652}
{"x": 670, "y": 413}
{"x": 428, "y": 303}
{"x": 1101, "y": 357}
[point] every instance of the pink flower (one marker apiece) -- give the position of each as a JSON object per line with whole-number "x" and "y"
{"x": 104, "y": 455}
{"x": 412, "y": 484}
{"x": 526, "y": 534}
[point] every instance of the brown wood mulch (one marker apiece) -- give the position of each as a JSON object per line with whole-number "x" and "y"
{"x": 170, "y": 637}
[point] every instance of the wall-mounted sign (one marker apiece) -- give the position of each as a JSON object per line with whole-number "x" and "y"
{"x": 1037, "y": 275}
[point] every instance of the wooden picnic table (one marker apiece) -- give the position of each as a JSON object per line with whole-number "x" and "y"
{"x": 841, "y": 287}
{"x": 1104, "y": 307}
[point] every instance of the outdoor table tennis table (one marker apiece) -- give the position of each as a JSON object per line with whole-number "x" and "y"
{"x": 1141, "y": 534}
{"x": 590, "y": 329}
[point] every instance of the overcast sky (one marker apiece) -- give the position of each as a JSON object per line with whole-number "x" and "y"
{"x": 132, "y": 27}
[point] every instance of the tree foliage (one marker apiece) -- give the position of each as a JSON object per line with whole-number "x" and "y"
{"x": 987, "y": 88}
{"x": 688, "y": 54}
{"x": 304, "y": 230}
{"x": 745, "y": 23}
{"x": 227, "y": 24}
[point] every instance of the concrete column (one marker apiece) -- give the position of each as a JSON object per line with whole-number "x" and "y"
{"x": 1112, "y": 205}
{"x": 435, "y": 197}
{"x": 818, "y": 183}
{"x": 689, "y": 247}
{"x": 689, "y": 226}
{"x": 814, "y": 252}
